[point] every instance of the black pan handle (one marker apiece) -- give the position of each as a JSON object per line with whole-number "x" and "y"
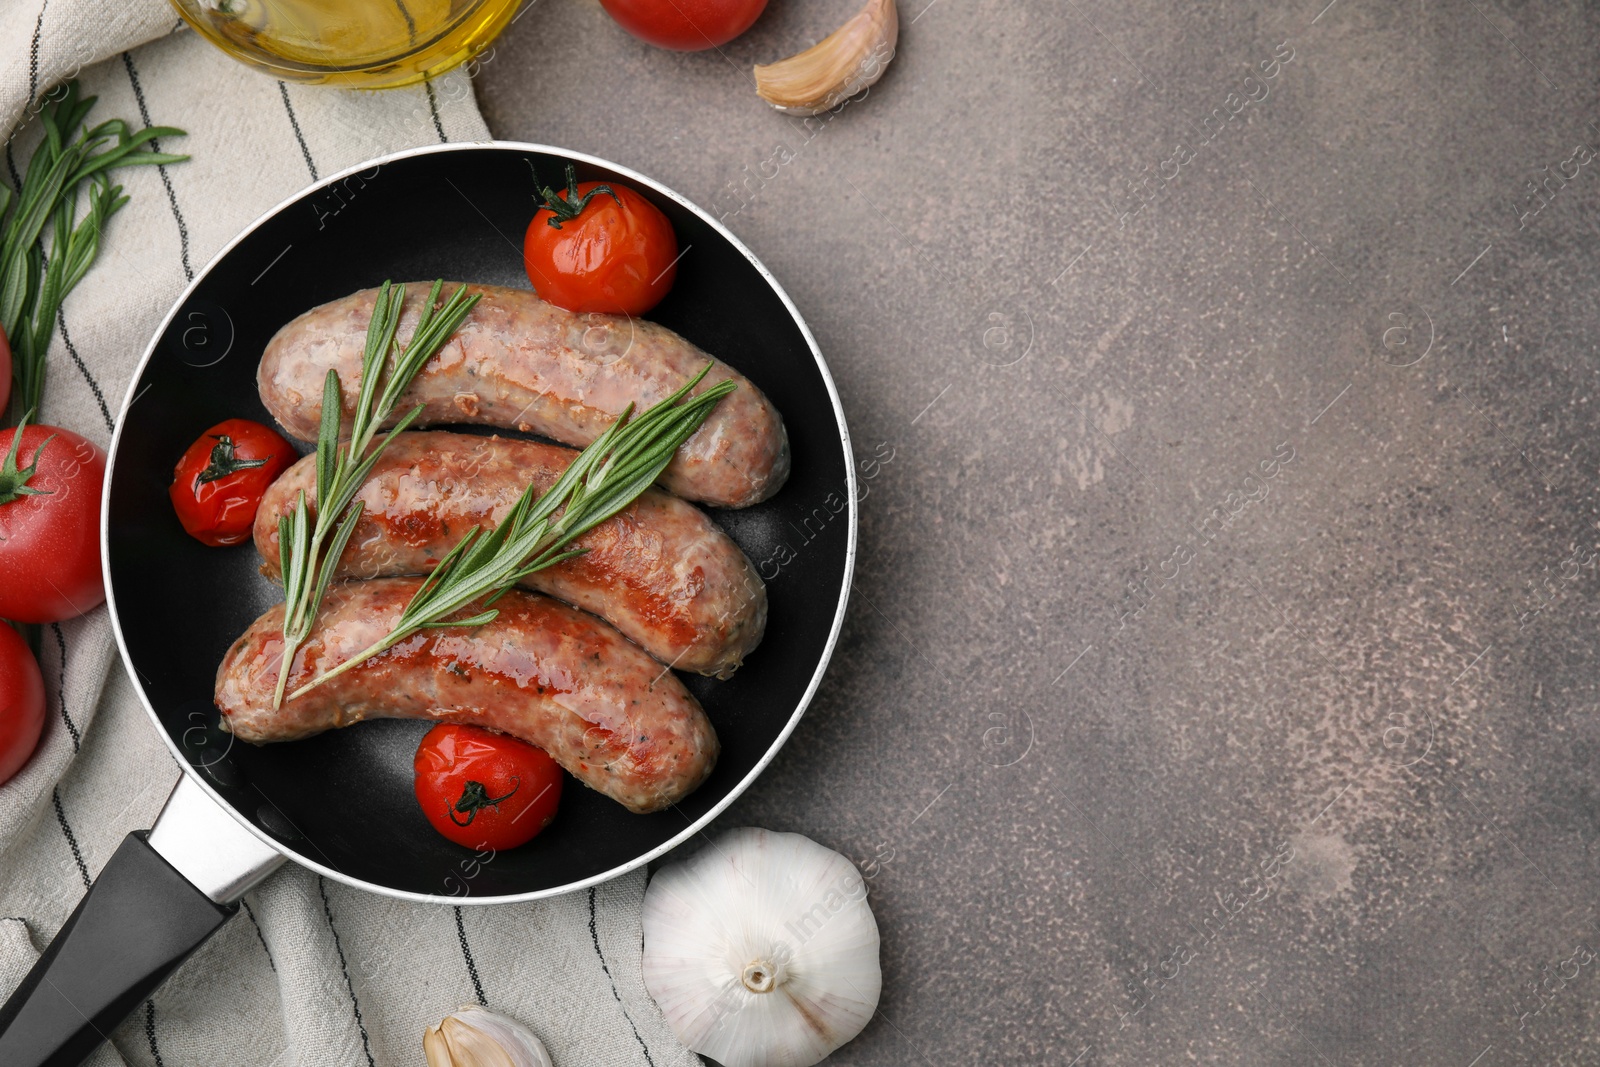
{"x": 138, "y": 921}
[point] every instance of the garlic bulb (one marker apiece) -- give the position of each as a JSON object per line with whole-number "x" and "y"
{"x": 477, "y": 1037}
{"x": 838, "y": 67}
{"x": 761, "y": 950}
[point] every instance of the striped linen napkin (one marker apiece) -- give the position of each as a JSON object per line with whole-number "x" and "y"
{"x": 310, "y": 972}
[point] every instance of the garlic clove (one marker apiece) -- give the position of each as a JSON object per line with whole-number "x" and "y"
{"x": 838, "y": 67}
{"x": 761, "y": 951}
{"x": 477, "y": 1037}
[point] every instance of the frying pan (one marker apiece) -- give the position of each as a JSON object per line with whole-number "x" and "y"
{"x": 342, "y": 803}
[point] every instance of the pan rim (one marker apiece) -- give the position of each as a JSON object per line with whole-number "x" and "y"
{"x": 693, "y": 826}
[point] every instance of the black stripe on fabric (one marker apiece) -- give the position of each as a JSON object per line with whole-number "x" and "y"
{"x": 166, "y": 180}
{"x": 72, "y": 838}
{"x": 83, "y": 369}
{"x": 433, "y": 105}
{"x": 283, "y": 91}
{"x": 327, "y": 909}
{"x": 61, "y": 686}
{"x": 260, "y": 936}
{"x": 594, "y": 935}
{"x": 150, "y": 1031}
{"x": 11, "y": 165}
{"x": 13, "y": 919}
{"x": 33, "y": 54}
{"x": 466, "y": 953}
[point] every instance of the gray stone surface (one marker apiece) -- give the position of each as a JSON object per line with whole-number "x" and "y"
{"x": 1319, "y": 785}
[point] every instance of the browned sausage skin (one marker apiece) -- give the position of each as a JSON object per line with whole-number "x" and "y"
{"x": 660, "y": 571}
{"x": 541, "y": 671}
{"x": 518, "y": 362}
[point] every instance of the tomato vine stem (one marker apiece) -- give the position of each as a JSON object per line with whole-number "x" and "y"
{"x": 564, "y": 207}
{"x": 14, "y": 481}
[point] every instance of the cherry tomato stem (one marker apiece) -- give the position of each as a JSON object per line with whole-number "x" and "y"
{"x": 475, "y": 795}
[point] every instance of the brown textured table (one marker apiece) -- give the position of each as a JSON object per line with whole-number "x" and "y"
{"x": 1219, "y": 682}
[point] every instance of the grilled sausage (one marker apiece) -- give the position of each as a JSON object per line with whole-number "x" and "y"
{"x": 541, "y": 671}
{"x": 518, "y": 362}
{"x": 659, "y": 571}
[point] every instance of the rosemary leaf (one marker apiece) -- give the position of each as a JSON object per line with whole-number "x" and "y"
{"x": 380, "y": 338}
{"x": 328, "y": 435}
{"x": 476, "y": 620}
{"x": 341, "y": 538}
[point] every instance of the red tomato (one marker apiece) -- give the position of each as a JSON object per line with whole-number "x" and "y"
{"x": 685, "y": 25}
{"x": 5, "y": 372}
{"x": 21, "y": 702}
{"x": 485, "y": 790}
{"x": 600, "y": 247}
{"x": 220, "y": 480}
{"x": 49, "y": 524}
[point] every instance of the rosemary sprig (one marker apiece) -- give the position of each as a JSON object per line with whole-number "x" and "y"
{"x": 605, "y": 478}
{"x": 34, "y": 282}
{"x": 308, "y": 551}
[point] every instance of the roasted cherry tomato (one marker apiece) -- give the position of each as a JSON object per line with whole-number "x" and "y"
{"x": 220, "y": 480}
{"x": 49, "y": 524}
{"x": 21, "y": 702}
{"x": 485, "y": 790}
{"x": 600, "y": 247}
{"x": 685, "y": 25}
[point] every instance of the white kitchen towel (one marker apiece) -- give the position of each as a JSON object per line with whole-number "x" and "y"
{"x": 310, "y": 973}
